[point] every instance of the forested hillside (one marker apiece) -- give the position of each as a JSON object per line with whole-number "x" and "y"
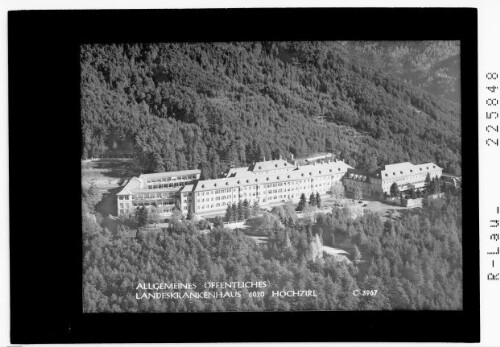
{"x": 414, "y": 263}
{"x": 434, "y": 66}
{"x": 210, "y": 106}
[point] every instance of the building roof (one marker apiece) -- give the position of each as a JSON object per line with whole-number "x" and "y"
{"x": 187, "y": 188}
{"x": 319, "y": 156}
{"x": 359, "y": 175}
{"x": 156, "y": 190}
{"x": 126, "y": 191}
{"x": 238, "y": 171}
{"x": 263, "y": 166}
{"x": 132, "y": 185}
{"x": 140, "y": 184}
{"x": 404, "y": 169}
{"x": 250, "y": 178}
{"x": 170, "y": 174}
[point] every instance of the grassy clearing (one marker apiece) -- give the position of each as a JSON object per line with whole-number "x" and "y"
{"x": 106, "y": 173}
{"x": 109, "y": 175}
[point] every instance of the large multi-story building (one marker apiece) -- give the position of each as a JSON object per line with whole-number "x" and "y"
{"x": 406, "y": 175}
{"x": 162, "y": 190}
{"x": 268, "y": 182}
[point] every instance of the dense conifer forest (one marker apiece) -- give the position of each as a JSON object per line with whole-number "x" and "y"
{"x": 181, "y": 106}
{"x": 433, "y": 66}
{"x": 414, "y": 262}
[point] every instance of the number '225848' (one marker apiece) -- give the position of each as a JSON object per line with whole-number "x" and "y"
{"x": 492, "y": 102}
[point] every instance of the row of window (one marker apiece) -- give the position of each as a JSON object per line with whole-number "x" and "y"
{"x": 168, "y": 185}
{"x": 153, "y": 202}
{"x": 219, "y": 205}
{"x": 171, "y": 178}
{"x": 158, "y": 195}
{"x": 269, "y": 191}
{"x": 411, "y": 171}
{"x": 161, "y": 209}
{"x": 212, "y": 192}
{"x": 278, "y": 184}
{"x": 411, "y": 179}
{"x": 302, "y": 185}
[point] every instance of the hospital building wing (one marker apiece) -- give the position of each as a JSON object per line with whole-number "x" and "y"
{"x": 267, "y": 182}
{"x": 406, "y": 175}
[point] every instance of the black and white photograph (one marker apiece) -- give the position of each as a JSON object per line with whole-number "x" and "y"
{"x": 292, "y": 175}
{"x": 271, "y": 176}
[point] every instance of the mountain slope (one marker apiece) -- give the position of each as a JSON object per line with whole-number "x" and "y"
{"x": 433, "y": 66}
{"x": 211, "y": 106}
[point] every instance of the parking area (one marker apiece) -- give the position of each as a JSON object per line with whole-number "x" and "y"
{"x": 384, "y": 210}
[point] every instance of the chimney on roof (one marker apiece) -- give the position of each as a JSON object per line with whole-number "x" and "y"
{"x": 291, "y": 155}
{"x": 280, "y": 157}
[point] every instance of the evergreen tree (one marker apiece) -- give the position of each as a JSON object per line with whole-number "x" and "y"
{"x": 302, "y": 202}
{"x": 177, "y": 205}
{"x": 425, "y": 200}
{"x": 241, "y": 212}
{"x": 394, "y": 190}
{"x": 255, "y": 208}
{"x": 229, "y": 213}
{"x": 234, "y": 213}
{"x": 218, "y": 222}
{"x": 432, "y": 186}
{"x": 312, "y": 200}
{"x": 92, "y": 196}
{"x": 412, "y": 194}
{"x": 438, "y": 185}
{"x": 176, "y": 214}
{"x": 153, "y": 216}
{"x": 246, "y": 209}
{"x": 427, "y": 179}
{"x": 318, "y": 200}
{"x": 337, "y": 190}
{"x": 358, "y": 194}
{"x": 141, "y": 216}
{"x": 190, "y": 213}
{"x": 357, "y": 254}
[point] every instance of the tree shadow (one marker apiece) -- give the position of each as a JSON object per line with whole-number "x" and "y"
{"x": 108, "y": 205}
{"x": 115, "y": 168}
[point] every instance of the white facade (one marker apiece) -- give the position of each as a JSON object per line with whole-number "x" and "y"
{"x": 269, "y": 183}
{"x": 159, "y": 189}
{"x": 405, "y": 175}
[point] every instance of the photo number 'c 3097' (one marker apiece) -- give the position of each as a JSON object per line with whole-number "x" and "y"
{"x": 358, "y": 292}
